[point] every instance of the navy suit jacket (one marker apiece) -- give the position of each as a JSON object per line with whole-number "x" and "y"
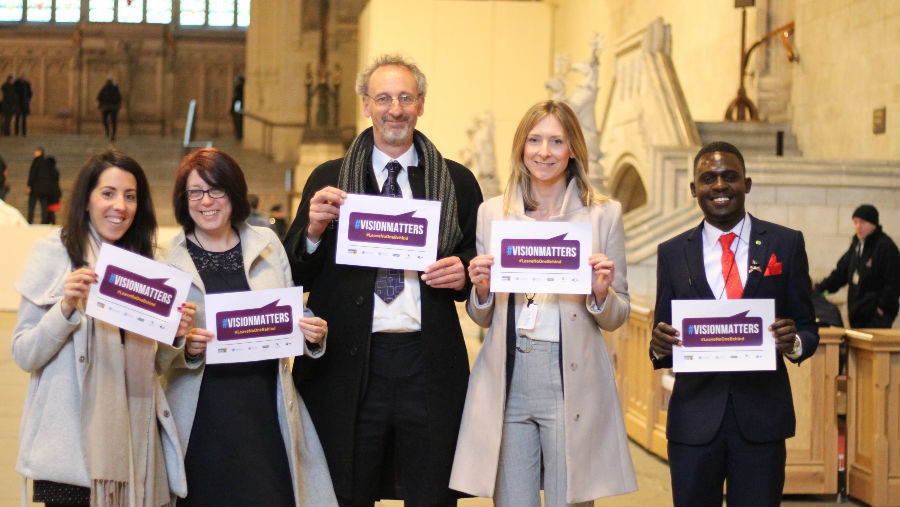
{"x": 762, "y": 399}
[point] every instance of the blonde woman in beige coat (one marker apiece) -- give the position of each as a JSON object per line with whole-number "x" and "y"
{"x": 547, "y": 390}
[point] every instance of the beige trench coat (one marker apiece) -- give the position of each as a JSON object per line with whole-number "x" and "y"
{"x": 598, "y": 462}
{"x": 266, "y": 266}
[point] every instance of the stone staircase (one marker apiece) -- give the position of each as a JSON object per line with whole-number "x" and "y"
{"x": 159, "y": 157}
{"x": 752, "y": 138}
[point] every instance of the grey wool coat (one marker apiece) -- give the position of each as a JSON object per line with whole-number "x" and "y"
{"x": 54, "y": 350}
{"x": 598, "y": 462}
{"x": 266, "y": 267}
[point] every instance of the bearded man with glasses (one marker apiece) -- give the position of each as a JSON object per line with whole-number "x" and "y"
{"x": 387, "y": 398}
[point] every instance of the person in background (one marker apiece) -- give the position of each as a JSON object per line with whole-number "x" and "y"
{"x": 871, "y": 270}
{"x": 277, "y": 220}
{"x": 56, "y": 193}
{"x": 248, "y": 437}
{"x": 109, "y": 100}
{"x": 96, "y": 428}
{"x": 42, "y": 187}
{"x": 732, "y": 426}
{"x": 256, "y": 218}
{"x": 4, "y": 179}
{"x": 520, "y": 429}
{"x": 24, "y": 94}
{"x": 237, "y": 107}
{"x": 9, "y": 105}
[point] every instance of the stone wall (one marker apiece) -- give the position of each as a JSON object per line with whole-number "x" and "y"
{"x": 849, "y": 66}
{"x": 158, "y": 70}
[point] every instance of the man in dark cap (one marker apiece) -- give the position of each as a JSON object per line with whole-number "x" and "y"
{"x": 871, "y": 268}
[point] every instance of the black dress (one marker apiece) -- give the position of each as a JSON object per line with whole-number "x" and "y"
{"x": 235, "y": 455}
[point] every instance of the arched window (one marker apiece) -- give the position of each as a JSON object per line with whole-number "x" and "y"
{"x": 193, "y": 13}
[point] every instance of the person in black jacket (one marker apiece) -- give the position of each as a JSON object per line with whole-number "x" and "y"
{"x": 23, "y": 93}
{"x": 9, "y": 105}
{"x": 43, "y": 186}
{"x": 4, "y": 179}
{"x": 871, "y": 268}
{"x": 109, "y": 101}
{"x": 388, "y": 396}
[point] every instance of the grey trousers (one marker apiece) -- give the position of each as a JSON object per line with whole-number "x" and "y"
{"x": 533, "y": 427}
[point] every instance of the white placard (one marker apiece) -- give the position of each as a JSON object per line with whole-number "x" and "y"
{"x": 254, "y": 325}
{"x": 723, "y": 335}
{"x": 387, "y": 232}
{"x": 541, "y": 257}
{"x": 145, "y": 303}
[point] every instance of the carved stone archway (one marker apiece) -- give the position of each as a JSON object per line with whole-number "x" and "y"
{"x": 628, "y": 188}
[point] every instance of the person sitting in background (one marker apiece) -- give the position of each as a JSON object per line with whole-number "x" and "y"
{"x": 277, "y": 220}
{"x": 871, "y": 270}
{"x": 256, "y": 218}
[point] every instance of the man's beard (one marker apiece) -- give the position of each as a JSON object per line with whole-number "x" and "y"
{"x": 392, "y": 134}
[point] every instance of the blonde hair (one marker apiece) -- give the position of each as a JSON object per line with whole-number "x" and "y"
{"x": 519, "y": 176}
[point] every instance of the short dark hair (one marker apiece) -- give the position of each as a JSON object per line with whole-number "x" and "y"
{"x": 720, "y": 146}
{"x": 139, "y": 238}
{"x": 218, "y": 169}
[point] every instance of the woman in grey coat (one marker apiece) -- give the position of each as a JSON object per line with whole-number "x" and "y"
{"x": 542, "y": 406}
{"x": 94, "y": 432}
{"x": 248, "y": 437}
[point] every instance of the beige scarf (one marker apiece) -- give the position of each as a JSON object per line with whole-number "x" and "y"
{"x": 118, "y": 411}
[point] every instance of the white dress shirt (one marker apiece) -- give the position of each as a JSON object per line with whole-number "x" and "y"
{"x": 712, "y": 254}
{"x": 405, "y": 311}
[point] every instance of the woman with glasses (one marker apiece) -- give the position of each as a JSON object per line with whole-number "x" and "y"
{"x": 542, "y": 397}
{"x": 248, "y": 436}
{"x": 96, "y": 429}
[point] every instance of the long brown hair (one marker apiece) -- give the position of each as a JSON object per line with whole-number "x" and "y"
{"x": 140, "y": 236}
{"x": 519, "y": 177}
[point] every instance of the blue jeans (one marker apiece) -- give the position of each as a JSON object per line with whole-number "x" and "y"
{"x": 533, "y": 426}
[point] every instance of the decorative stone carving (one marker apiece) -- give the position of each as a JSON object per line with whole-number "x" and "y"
{"x": 478, "y": 155}
{"x": 583, "y": 99}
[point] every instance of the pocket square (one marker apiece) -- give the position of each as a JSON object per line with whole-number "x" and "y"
{"x": 774, "y": 267}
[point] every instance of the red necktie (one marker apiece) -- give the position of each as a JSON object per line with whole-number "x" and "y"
{"x": 733, "y": 286}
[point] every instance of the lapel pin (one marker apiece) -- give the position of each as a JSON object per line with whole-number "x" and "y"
{"x": 758, "y": 242}
{"x": 754, "y": 266}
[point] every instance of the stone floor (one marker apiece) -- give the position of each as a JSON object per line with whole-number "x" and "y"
{"x": 652, "y": 472}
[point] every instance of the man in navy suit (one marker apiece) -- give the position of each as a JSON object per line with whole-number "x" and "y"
{"x": 732, "y": 425}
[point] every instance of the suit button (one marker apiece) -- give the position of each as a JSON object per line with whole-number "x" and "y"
{"x": 577, "y": 417}
{"x": 354, "y": 350}
{"x": 291, "y": 404}
{"x": 165, "y": 413}
{"x": 81, "y": 359}
{"x": 574, "y": 366}
{"x": 573, "y": 316}
{"x": 359, "y": 300}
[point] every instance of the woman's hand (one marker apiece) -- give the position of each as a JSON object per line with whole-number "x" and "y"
{"x": 314, "y": 329}
{"x": 76, "y": 288}
{"x": 604, "y": 272}
{"x": 480, "y": 274}
{"x": 188, "y": 310}
{"x": 196, "y": 339}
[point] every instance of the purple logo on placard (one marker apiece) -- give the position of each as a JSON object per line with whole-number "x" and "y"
{"x": 402, "y": 229}
{"x": 150, "y": 294}
{"x": 268, "y": 320}
{"x": 722, "y": 331}
{"x": 555, "y": 253}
